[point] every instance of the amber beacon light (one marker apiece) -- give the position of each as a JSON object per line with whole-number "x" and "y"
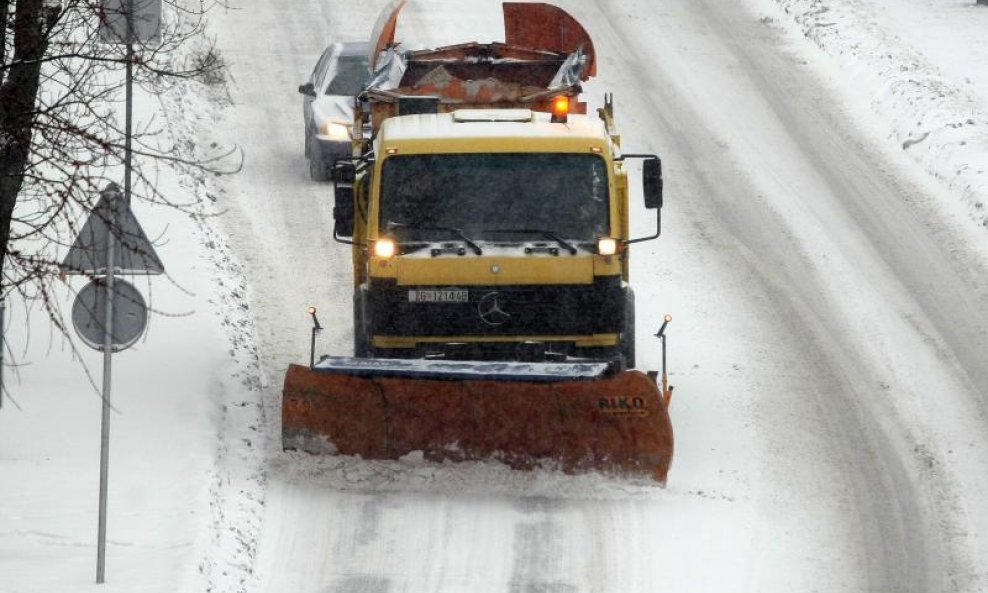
{"x": 560, "y": 109}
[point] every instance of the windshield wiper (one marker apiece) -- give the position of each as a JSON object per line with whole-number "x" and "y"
{"x": 459, "y": 233}
{"x": 547, "y": 234}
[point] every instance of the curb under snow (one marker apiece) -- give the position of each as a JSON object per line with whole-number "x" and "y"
{"x": 940, "y": 126}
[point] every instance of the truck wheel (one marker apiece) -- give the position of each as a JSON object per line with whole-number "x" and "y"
{"x": 627, "y": 347}
{"x": 318, "y": 171}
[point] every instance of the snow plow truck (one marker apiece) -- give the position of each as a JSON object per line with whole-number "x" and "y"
{"x": 488, "y": 216}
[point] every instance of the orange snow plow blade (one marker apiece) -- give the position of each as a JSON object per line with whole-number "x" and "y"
{"x": 525, "y": 415}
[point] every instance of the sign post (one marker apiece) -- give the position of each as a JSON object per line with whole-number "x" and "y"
{"x": 104, "y": 439}
{"x": 125, "y": 22}
{"x": 111, "y": 242}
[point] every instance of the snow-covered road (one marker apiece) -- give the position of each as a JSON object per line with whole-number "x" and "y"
{"x": 828, "y": 350}
{"x": 828, "y": 347}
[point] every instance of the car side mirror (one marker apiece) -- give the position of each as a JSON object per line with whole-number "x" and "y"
{"x": 343, "y": 211}
{"x": 344, "y": 171}
{"x": 652, "y": 182}
{"x": 307, "y": 89}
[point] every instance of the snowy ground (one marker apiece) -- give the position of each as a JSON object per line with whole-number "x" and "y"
{"x": 922, "y": 64}
{"x": 830, "y": 322}
{"x": 184, "y": 408}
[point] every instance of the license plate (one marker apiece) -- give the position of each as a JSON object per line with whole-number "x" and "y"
{"x": 438, "y": 296}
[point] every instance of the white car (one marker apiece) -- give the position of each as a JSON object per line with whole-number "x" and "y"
{"x": 327, "y": 104}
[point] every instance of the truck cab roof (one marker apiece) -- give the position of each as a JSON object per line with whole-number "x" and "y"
{"x": 491, "y": 130}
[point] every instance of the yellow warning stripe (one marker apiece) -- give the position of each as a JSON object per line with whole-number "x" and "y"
{"x": 594, "y": 340}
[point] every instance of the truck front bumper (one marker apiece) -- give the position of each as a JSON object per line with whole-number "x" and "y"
{"x": 585, "y": 315}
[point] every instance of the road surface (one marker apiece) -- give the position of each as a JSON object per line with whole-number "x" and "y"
{"x": 827, "y": 347}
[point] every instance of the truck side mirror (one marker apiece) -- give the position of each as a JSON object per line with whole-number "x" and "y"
{"x": 652, "y": 182}
{"x": 307, "y": 89}
{"x": 343, "y": 211}
{"x": 344, "y": 172}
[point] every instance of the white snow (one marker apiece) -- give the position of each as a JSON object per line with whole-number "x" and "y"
{"x": 823, "y": 256}
{"x": 184, "y": 404}
{"x": 922, "y": 65}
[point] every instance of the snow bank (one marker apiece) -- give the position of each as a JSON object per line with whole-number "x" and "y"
{"x": 931, "y": 116}
{"x": 185, "y": 481}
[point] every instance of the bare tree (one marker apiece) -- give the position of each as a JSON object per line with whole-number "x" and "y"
{"x": 61, "y": 136}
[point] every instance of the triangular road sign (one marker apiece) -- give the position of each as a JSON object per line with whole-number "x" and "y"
{"x": 132, "y": 252}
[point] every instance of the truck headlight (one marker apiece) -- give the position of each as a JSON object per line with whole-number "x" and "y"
{"x": 336, "y": 131}
{"x": 384, "y": 248}
{"x": 607, "y": 246}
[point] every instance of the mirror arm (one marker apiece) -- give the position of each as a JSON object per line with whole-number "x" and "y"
{"x": 658, "y": 230}
{"x": 658, "y": 211}
{"x": 340, "y": 239}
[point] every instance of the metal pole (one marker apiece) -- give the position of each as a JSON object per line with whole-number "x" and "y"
{"x": 104, "y": 457}
{"x": 130, "y": 98}
{"x": 666, "y": 389}
{"x": 312, "y": 349}
{"x": 665, "y": 379}
{"x": 104, "y": 453}
{"x": 316, "y": 328}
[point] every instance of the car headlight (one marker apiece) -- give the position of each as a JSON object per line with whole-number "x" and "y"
{"x": 336, "y": 131}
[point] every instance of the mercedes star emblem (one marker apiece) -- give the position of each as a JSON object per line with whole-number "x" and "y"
{"x": 489, "y": 309}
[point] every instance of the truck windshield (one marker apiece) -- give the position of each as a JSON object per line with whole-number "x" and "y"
{"x": 565, "y": 194}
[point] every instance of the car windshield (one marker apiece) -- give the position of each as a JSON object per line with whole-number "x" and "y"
{"x": 565, "y": 194}
{"x": 350, "y": 77}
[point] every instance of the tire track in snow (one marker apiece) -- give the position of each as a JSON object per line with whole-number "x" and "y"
{"x": 905, "y": 527}
{"x": 537, "y": 539}
{"x": 540, "y": 545}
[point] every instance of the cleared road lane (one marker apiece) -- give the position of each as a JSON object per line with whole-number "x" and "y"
{"x": 827, "y": 343}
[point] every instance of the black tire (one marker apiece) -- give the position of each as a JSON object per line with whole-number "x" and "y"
{"x": 308, "y": 138}
{"x": 361, "y": 343}
{"x": 318, "y": 168}
{"x": 627, "y": 346}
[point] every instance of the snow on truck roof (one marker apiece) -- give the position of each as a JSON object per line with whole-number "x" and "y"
{"x": 495, "y": 124}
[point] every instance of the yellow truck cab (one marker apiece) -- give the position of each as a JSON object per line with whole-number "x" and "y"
{"x": 492, "y": 233}
{"x": 488, "y": 212}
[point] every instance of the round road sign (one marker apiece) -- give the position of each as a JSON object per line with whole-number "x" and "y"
{"x": 130, "y": 314}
